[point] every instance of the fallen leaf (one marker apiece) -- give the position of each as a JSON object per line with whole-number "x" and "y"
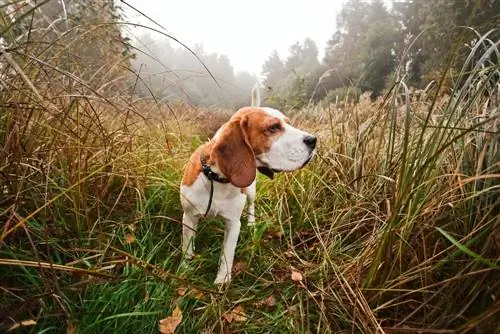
{"x": 23, "y": 323}
{"x": 289, "y": 253}
{"x": 129, "y": 238}
{"x": 238, "y": 267}
{"x": 196, "y": 294}
{"x": 296, "y": 276}
{"x": 270, "y": 301}
{"x": 169, "y": 324}
{"x": 274, "y": 234}
{"x": 70, "y": 328}
{"x": 237, "y": 314}
{"x": 181, "y": 291}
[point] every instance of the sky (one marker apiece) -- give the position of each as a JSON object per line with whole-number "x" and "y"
{"x": 246, "y": 31}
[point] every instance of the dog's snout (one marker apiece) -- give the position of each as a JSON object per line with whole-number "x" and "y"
{"x": 310, "y": 141}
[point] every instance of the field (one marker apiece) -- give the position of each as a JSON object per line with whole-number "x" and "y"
{"x": 393, "y": 227}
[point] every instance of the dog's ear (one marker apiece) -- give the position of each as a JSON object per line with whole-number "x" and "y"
{"x": 234, "y": 155}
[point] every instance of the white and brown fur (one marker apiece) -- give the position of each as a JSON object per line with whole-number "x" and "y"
{"x": 253, "y": 138}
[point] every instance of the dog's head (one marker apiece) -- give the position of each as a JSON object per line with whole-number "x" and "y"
{"x": 263, "y": 139}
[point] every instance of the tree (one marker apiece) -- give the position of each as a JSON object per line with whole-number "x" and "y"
{"x": 441, "y": 29}
{"x": 273, "y": 70}
{"x": 176, "y": 75}
{"x": 290, "y": 84}
{"x": 378, "y": 52}
{"x": 362, "y": 51}
{"x": 309, "y": 54}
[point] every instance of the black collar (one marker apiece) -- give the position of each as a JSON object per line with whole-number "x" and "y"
{"x": 209, "y": 173}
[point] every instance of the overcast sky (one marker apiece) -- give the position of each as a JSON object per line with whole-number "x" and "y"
{"x": 246, "y": 31}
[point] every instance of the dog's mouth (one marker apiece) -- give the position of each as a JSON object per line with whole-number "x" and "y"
{"x": 269, "y": 172}
{"x": 308, "y": 159}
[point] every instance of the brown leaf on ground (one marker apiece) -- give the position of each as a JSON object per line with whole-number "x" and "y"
{"x": 238, "y": 267}
{"x": 237, "y": 314}
{"x": 23, "y": 323}
{"x": 129, "y": 238}
{"x": 181, "y": 290}
{"x": 70, "y": 328}
{"x": 289, "y": 253}
{"x": 274, "y": 234}
{"x": 196, "y": 294}
{"x": 296, "y": 276}
{"x": 270, "y": 302}
{"x": 169, "y": 324}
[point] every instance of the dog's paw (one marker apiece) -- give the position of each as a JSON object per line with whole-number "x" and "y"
{"x": 185, "y": 264}
{"x": 183, "y": 269}
{"x": 251, "y": 221}
{"x": 222, "y": 279}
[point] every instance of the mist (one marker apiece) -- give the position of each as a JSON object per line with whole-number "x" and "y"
{"x": 178, "y": 74}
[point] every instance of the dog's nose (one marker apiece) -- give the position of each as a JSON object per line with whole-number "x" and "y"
{"x": 310, "y": 141}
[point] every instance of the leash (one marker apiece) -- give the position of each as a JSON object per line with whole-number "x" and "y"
{"x": 210, "y": 198}
{"x": 212, "y": 176}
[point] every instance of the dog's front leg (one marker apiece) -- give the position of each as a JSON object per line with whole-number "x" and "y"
{"x": 251, "y": 212}
{"x": 250, "y": 191}
{"x": 189, "y": 224}
{"x": 232, "y": 231}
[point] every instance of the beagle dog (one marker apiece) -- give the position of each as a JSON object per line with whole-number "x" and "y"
{"x": 221, "y": 174}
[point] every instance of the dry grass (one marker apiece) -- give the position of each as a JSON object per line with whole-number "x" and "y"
{"x": 393, "y": 227}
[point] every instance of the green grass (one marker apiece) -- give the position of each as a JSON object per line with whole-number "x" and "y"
{"x": 393, "y": 226}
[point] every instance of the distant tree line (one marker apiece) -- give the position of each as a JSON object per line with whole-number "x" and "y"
{"x": 374, "y": 46}
{"x": 175, "y": 74}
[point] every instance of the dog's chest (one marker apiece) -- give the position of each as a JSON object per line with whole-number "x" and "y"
{"x": 227, "y": 200}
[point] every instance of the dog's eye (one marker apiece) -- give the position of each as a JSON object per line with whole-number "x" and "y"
{"x": 274, "y": 128}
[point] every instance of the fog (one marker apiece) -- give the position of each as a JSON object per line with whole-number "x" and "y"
{"x": 232, "y": 39}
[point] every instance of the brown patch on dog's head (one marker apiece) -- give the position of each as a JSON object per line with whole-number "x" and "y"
{"x": 262, "y": 129}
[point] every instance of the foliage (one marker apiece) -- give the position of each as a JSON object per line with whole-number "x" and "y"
{"x": 441, "y": 30}
{"x": 290, "y": 84}
{"x": 362, "y": 50}
{"x": 393, "y": 227}
{"x": 342, "y": 95}
{"x": 376, "y": 45}
{"x": 174, "y": 74}
{"x": 89, "y": 43}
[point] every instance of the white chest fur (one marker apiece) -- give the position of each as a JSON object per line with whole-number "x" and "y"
{"x": 228, "y": 201}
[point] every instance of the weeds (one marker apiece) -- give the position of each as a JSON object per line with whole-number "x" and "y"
{"x": 392, "y": 228}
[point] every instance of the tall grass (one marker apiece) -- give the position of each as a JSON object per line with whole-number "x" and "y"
{"x": 393, "y": 227}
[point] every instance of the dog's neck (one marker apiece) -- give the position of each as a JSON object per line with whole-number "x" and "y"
{"x": 208, "y": 171}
